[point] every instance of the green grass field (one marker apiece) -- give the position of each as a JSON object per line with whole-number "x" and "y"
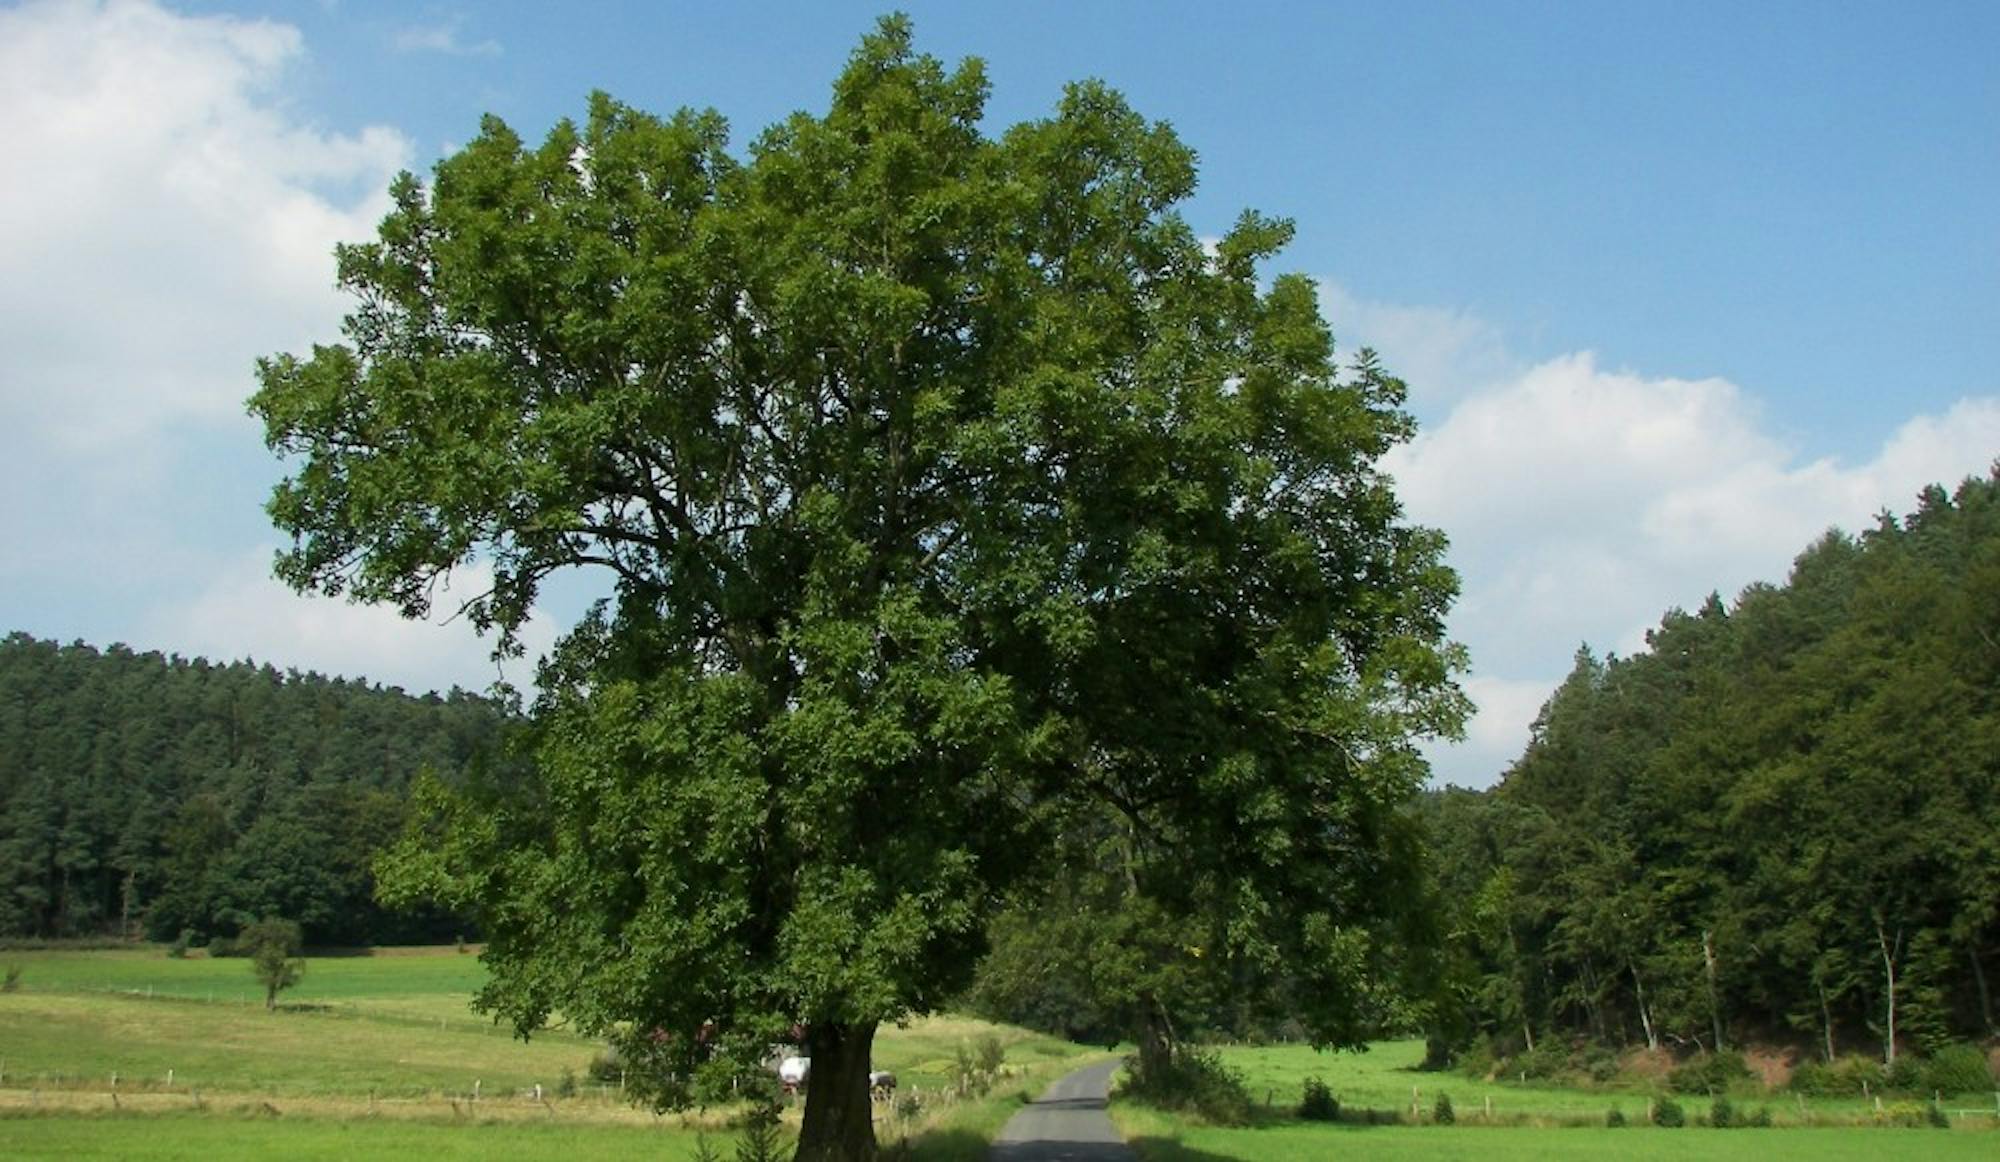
{"x": 1526, "y": 1121}
{"x": 129, "y": 1053}
{"x": 1161, "y": 1140}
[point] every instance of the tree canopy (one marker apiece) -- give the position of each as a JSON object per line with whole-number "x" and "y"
{"x": 945, "y": 481}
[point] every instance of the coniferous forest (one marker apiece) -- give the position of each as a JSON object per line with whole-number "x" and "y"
{"x": 1780, "y": 822}
{"x": 142, "y": 794}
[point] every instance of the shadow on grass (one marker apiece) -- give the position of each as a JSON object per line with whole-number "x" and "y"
{"x": 938, "y": 1146}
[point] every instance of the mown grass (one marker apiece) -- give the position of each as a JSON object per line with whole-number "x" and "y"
{"x": 378, "y": 1056}
{"x": 1160, "y": 1138}
{"x": 222, "y": 1137}
{"x": 1387, "y": 1079}
{"x": 1526, "y": 1121}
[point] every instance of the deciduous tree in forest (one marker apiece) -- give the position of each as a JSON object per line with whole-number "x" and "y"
{"x": 945, "y": 481}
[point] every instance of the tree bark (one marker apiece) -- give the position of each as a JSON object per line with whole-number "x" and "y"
{"x": 1889, "y": 981}
{"x": 1156, "y": 1038}
{"x": 839, "y": 1119}
{"x": 1645, "y": 1014}
{"x": 1985, "y": 997}
{"x": 1714, "y": 1004}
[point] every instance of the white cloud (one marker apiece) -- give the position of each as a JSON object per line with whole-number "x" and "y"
{"x": 166, "y": 218}
{"x": 246, "y": 613}
{"x": 445, "y": 36}
{"x": 166, "y": 221}
{"x": 1583, "y": 502}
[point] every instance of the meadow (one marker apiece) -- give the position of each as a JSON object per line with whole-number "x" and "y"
{"x": 1496, "y": 1120}
{"x": 130, "y": 1053}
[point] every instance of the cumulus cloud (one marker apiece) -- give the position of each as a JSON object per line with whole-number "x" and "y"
{"x": 165, "y": 220}
{"x": 245, "y": 613}
{"x": 1582, "y": 502}
{"x": 167, "y": 217}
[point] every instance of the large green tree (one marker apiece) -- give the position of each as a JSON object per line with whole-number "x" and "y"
{"x": 944, "y": 481}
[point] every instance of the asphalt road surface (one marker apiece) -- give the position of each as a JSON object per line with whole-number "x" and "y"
{"x": 1066, "y": 1124}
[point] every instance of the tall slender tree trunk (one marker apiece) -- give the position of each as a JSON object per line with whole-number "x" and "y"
{"x": 1889, "y": 987}
{"x": 839, "y": 1120}
{"x": 1825, "y": 1016}
{"x": 1645, "y": 1014}
{"x": 1985, "y": 997}
{"x": 1714, "y": 1003}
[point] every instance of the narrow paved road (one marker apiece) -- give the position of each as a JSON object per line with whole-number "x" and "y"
{"x": 1066, "y": 1124}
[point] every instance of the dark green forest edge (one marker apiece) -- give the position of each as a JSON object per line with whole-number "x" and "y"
{"x": 1778, "y": 825}
{"x": 149, "y": 795}
{"x": 1777, "y": 828}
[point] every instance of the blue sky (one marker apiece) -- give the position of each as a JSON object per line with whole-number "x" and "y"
{"x": 1675, "y": 286}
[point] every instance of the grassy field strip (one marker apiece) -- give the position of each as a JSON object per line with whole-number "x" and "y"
{"x": 1386, "y": 1079}
{"x": 209, "y": 1138}
{"x": 1159, "y": 1139}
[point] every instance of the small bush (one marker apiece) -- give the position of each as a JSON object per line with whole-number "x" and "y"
{"x": 1761, "y": 1119}
{"x": 762, "y": 1140}
{"x": 1957, "y": 1069}
{"x": 607, "y": 1067}
{"x": 1318, "y": 1104}
{"x": 703, "y": 1152}
{"x": 1721, "y": 1114}
{"x": 1477, "y": 1060}
{"x": 226, "y": 946}
{"x": 178, "y": 950}
{"x": 12, "y": 982}
{"x": 1615, "y": 1119}
{"x": 1710, "y": 1073}
{"x": 1905, "y": 1074}
{"x": 566, "y": 1086}
{"x": 1442, "y": 1113}
{"x": 1902, "y": 1113}
{"x": 1935, "y": 1115}
{"x": 1668, "y": 1113}
{"x": 909, "y": 1105}
{"x": 1193, "y": 1081}
{"x": 992, "y": 1055}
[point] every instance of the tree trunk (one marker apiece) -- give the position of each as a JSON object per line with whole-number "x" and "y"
{"x": 1156, "y": 1039}
{"x": 1985, "y": 997}
{"x": 1825, "y": 1018}
{"x": 1889, "y": 981}
{"x": 1714, "y": 1005}
{"x": 839, "y": 1120}
{"x": 1645, "y": 1014}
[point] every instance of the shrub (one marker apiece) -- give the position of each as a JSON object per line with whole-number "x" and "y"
{"x": 1936, "y": 1116}
{"x": 1721, "y": 1114}
{"x": 1193, "y": 1081}
{"x": 178, "y": 950}
{"x": 1667, "y": 1112}
{"x": 1614, "y": 1119}
{"x": 909, "y": 1105}
{"x": 1477, "y": 1061}
{"x": 607, "y": 1066}
{"x": 762, "y": 1140}
{"x": 566, "y": 1086}
{"x": 1905, "y": 1074}
{"x": 1957, "y": 1069}
{"x": 226, "y": 946}
{"x": 1318, "y": 1104}
{"x": 1709, "y": 1073}
{"x": 1442, "y": 1113}
{"x": 12, "y": 982}
{"x": 992, "y": 1055}
{"x": 1761, "y": 1119}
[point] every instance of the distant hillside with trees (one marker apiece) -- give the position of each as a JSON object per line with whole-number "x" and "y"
{"x": 1781, "y": 821}
{"x": 142, "y": 793}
